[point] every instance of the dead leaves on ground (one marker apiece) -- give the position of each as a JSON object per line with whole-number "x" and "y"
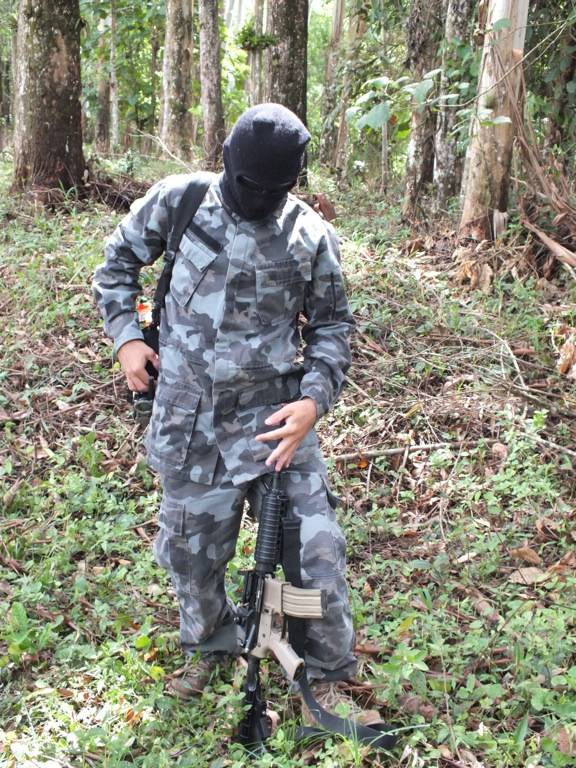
{"x": 531, "y": 575}
{"x": 526, "y": 554}
{"x": 564, "y": 341}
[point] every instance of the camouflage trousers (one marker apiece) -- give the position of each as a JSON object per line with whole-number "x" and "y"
{"x": 198, "y": 530}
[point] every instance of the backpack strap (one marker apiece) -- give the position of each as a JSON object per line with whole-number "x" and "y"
{"x": 179, "y": 219}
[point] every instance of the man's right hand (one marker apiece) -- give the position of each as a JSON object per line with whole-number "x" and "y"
{"x": 133, "y": 357}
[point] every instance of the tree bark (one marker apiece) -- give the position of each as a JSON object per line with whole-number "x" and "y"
{"x": 5, "y": 99}
{"x": 103, "y": 111}
{"x": 423, "y": 35}
{"x": 48, "y": 130}
{"x": 114, "y": 106}
{"x": 210, "y": 83}
{"x": 154, "y": 48}
{"x": 255, "y": 58}
{"x": 559, "y": 99}
{"x": 287, "y": 75}
{"x": 330, "y": 106}
{"x": 447, "y": 162}
{"x": 356, "y": 31}
{"x": 176, "y": 122}
{"x": 490, "y": 149}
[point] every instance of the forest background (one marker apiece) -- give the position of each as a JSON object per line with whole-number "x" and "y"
{"x": 443, "y": 144}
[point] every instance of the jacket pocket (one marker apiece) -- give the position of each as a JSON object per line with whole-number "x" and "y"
{"x": 280, "y": 289}
{"x": 171, "y": 426}
{"x": 193, "y": 259}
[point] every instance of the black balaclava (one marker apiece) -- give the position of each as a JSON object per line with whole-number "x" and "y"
{"x": 262, "y": 159}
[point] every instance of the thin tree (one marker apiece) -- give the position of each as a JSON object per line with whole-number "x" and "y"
{"x": 490, "y": 150}
{"x": 48, "y": 120}
{"x": 176, "y": 120}
{"x": 424, "y": 31}
{"x": 210, "y": 82}
{"x": 255, "y": 57}
{"x": 103, "y": 92}
{"x": 154, "y": 49}
{"x": 287, "y": 60}
{"x": 447, "y": 161}
{"x": 357, "y": 27}
{"x": 330, "y": 106}
{"x": 114, "y": 105}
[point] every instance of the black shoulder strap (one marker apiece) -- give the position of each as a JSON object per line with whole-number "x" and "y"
{"x": 178, "y": 220}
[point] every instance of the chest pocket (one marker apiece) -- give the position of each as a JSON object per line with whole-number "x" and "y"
{"x": 280, "y": 289}
{"x": 193, "y": 260}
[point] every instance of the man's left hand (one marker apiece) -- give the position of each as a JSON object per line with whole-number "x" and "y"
{"x": 298, "y": 418}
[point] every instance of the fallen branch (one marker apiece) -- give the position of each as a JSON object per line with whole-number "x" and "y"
{"x": 560, "y": 252}
{"x": 550, "y": 444}
{"x": 405, "y": 449}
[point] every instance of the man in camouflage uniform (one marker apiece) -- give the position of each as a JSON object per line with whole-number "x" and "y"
{"x": 236, "y": 396}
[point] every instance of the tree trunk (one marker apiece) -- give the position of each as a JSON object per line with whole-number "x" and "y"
{"x": 490, "y": 149}
{"x": 4, "y": 99}
{"x": 559, "y": 96}
{"x": 255, "y": 58}
{"x": 154, "y": 48}
{"x": 176, "y": 122}
{"x": 239, "y": 13}
{"x": 356, "y": 31}
{"x": 330, "y": 106}
{"x": 114, "y": 107}
{"x": 447, "y": 162}
{"x": 103, "y": 111}
{"x": 288, "y": 22}
{"x": 48, "y": 130}
{"x": 423, "y": 35}
{"x": 210, "y": 83}
{"x": 229, "y": 13}
{"x": 384, "y": 154}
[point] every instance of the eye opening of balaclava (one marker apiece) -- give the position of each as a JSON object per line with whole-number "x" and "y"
{"x": 263, "y": 156}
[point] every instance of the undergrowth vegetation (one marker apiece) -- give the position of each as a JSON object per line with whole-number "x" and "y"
{"x": 452, "y": 450}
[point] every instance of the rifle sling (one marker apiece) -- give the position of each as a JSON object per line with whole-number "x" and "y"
{"x": 179, "y": 220}
{"x": 377, "y": 736}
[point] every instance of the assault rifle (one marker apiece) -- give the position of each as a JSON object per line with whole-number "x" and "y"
{"x": 270, "y": 610}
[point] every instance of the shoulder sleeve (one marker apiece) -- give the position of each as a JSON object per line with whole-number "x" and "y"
{"x": 139, "y": 239}
{"x": 328, "y": 327}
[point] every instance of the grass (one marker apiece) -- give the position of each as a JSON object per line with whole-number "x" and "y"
{"x": 461, "y": 557}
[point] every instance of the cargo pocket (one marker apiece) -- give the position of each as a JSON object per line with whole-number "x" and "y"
{"x": 193, "y": 259}
{"x": 280, "y": 289}
{"x": 171, "y": 547}
{"x": 338, "y": 538}
{"x": 171, "y": 426}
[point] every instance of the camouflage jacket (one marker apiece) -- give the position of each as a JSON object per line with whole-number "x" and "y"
{"x": 230, "y": 343}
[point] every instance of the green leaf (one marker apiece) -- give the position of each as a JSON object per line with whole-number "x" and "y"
{"x": 433, "y": 73}
{"x": 571, "y": 86}
{"x": 377, "y": 116}
{"x": 520, "y": 733}
{"x": 19, "y": 617}
{"x": 501, "y": 24}
{"x": 352, "y": 113}
{"x": 142, "y": 642}
{"x": 156, "y": 672}
{"x": 365, "y": 97}
{"x": 381, "y": 82}
{"x": 420, "y": 90}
